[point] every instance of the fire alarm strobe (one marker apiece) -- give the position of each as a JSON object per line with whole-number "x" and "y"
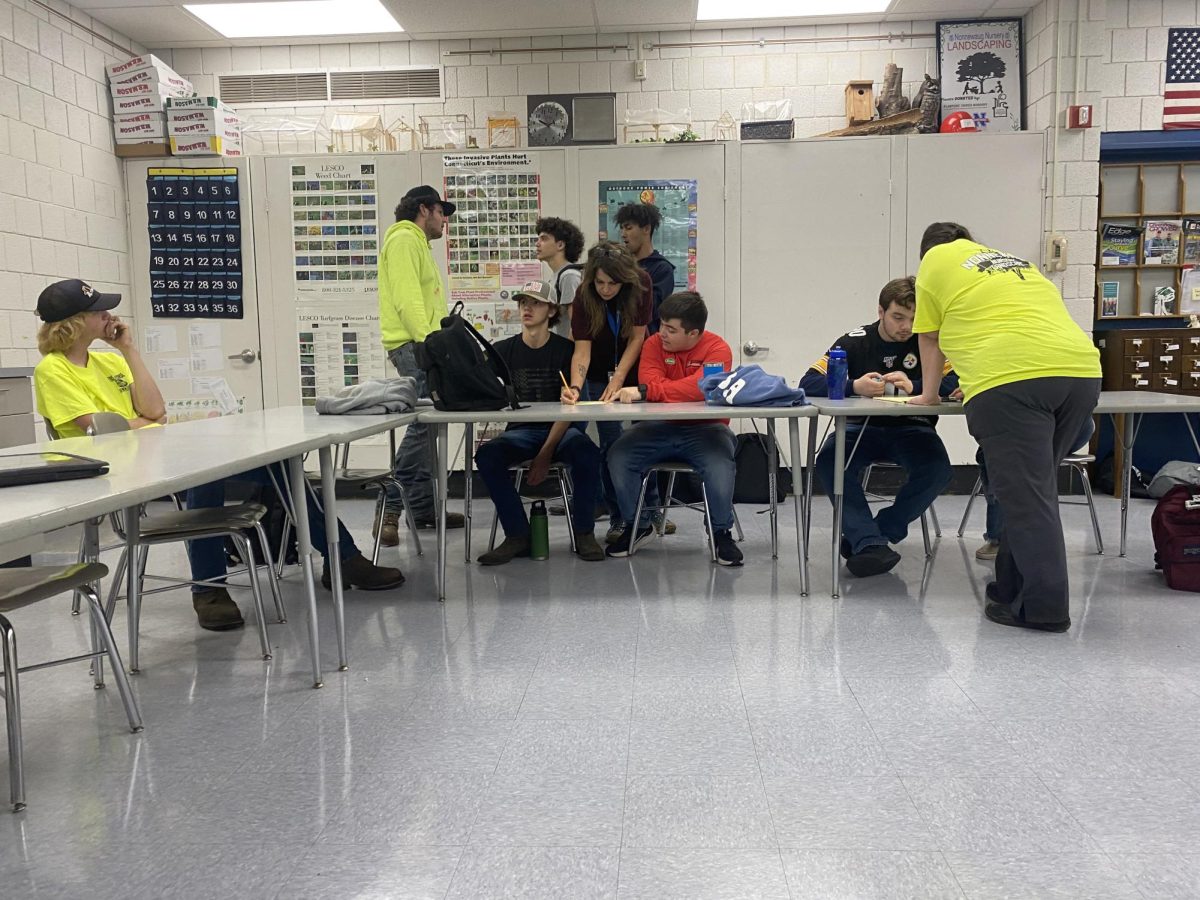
{"x": 1079, "y": 116}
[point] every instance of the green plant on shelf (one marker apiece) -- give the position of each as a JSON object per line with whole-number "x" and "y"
{"x": 684, "y": 137}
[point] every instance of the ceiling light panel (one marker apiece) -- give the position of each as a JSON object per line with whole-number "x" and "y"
{"x": 296, "y": 18}
{"x": 785, "y": 9}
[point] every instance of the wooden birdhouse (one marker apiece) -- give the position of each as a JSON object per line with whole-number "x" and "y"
{"x": 860, "y": 102}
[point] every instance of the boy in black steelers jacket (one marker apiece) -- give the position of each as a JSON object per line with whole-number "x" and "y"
{"x": 883, "y": 357}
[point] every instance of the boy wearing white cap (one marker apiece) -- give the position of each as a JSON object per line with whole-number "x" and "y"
{"x": 539, "y": 360}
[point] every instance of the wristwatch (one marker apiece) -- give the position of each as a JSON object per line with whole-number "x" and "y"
{"x": 642, "y": 391}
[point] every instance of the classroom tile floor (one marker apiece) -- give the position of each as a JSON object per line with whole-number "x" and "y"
{"x": 664, "y": 729}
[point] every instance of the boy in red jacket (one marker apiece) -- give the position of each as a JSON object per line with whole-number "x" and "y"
{"x": 670, "y": 368}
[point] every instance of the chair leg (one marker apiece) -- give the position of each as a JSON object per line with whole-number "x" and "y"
{"x": 1087, "y": 492}
{"x": 708, "y": 526}
{"x": 937, "y": 526}
{"x": 135, "y": 612}
{"x": 379, "y": 510}
{"x": 962, "y": 526}
{"x": 271, "y": 579}
{"x": 661, "y": 525}
{"x": 632, "y": 527}
{"x": 114, "y": 590}
{"x": 566, "y": 499}
{"x": 247, "y": 552}
{"x": 281, "y": 553}
{"x": 411, "y": 519}
{"x": 737, "y": 526}
{"x": 925, "y": 535}
{"x": 12, "y": 711}
{"x": 114, "y": 657}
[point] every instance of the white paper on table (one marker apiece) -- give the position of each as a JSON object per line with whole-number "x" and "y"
{"x": 171, "y": 368}
{"x": 161, "y": 339}
{"x": 204, "y": 335}
{"x": 207, "y": 360}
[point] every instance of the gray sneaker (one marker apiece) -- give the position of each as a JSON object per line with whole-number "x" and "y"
{"x": 615, "y": 530}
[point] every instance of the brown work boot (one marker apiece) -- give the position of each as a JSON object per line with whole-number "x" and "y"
{"x": 508, "y": 549}
{"x": 588, "y": 548}
{"x": 390, "y": 529}
{"x": 360, "y": 572}
{"x": 216, "y": 611}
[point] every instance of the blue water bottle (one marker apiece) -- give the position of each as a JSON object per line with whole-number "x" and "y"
{"x": 835, "y": 374}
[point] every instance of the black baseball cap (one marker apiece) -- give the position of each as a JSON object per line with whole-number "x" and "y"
{"x": 64, "y": 299}
{"x": 428, "y": 195}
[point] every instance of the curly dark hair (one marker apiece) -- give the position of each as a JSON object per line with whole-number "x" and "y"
{"x": 643, "y": 215}
{"x": 563, "y": 230}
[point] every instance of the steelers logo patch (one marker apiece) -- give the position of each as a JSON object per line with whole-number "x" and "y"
{"x": 910, "y": 361}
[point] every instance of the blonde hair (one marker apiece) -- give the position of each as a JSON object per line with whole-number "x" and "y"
{"x": 60, "y": 336}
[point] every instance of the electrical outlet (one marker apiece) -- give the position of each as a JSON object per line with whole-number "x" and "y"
{"x": 639, "y": 69}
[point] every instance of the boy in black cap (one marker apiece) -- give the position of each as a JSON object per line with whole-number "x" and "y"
{"x": 539, "y": 361}
{"x": 411, "y": 307}
{"x": 73, "y": 384}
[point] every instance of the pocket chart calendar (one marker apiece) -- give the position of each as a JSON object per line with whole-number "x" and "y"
{"x": 195, "y": 233}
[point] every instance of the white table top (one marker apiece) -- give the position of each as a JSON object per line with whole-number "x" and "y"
{"x": 620, "y": 412}
{"x": 856, "y": 407}
{"x": 1146, "y": 402}
{"x": 1110, "y": 402}
{"x": 151, "y": 462}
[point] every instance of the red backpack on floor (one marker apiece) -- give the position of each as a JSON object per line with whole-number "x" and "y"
{"x": 1175, "y": 525}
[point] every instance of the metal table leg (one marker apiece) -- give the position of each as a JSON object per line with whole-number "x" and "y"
{"x": 133, "y": 589}
{"x": 839, "y": 477}
{"x": 798, "y": 505}
{"x": 334, "y": 551}
{"x": 1130, "y": 424}
{"x": 810, "y": 468}
{"x": 772, "y": 486}
{"x": 440, "y": 435}
{"x": 304, "y": 548}
{"x": 468, "y": 469}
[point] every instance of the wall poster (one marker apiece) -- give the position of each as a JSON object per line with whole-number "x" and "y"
{"x": 195, "y": 232}
{"x": 981, "y": 72}
{"x": 676, "y": 238}
{"x": 337, "y": 350}
{"x": 335, "y": 227}
{"x": 490, "y": 239}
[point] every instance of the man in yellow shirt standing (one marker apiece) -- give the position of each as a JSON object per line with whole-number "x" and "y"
{"x": 411, "y": 306}
{"x": 1030, "y": 379}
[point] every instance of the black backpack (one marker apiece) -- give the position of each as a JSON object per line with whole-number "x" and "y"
{"x": 750, "y": 484}
{"x": 464, "y": 371}
{"x": 569, "y": 267}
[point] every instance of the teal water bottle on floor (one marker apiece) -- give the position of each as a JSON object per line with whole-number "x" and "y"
{"x": 539, "y": 531}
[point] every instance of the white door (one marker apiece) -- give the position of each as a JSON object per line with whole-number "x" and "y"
{"x": 195, "y": 358}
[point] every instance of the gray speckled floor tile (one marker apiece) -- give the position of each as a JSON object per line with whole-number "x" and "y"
{"x": 1124, "y": 815}
{"x": 423, "y": 808}
{"x": 1163, "y": 876}
{"x": 552, "y": 695}
{"x": 702, "y": 875}
{"x": 593, "y": 747}
{"x": 996, "y": 814}
{"x": 692, "y": 747}
{"x": 474, "y": 696}
{"x": 333, "y": 871}
{"x": 868, "y": 875}
{"x": 846, "y": 813}
{"x": 696, "y": 697}
{"x": 1038, "y": 876}
{"x": 697, "y": 812}
{"x": 550, "y": 810}
{"x": 818, "y": 744}
{"x": 945, "y": 746}
{"x": 535, "y": 873}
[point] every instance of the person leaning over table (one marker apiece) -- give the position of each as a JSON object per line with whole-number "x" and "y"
{"x": 73, "y": 383}
{"x": 612, "y": 307}
{"x": 1030, "y": 379}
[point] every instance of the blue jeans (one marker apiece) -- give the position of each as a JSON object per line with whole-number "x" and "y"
{"x": 413, "y": 467}
{"x": 520, "y": 444}
{"x": 207, "y": 556}
{"x": 916, "y": 449}
{"x": 995, "y": 517}
{"x": 708, "y": 448}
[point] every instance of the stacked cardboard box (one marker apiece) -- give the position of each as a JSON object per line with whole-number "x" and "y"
{"x": 203, "y": 126}
{"x": 140, "y": 89}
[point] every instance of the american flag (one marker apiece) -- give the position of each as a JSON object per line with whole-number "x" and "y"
{"x": 1181, "y": 93}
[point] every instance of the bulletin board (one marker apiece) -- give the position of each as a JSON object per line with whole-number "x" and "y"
{"x": 194, "y": 231}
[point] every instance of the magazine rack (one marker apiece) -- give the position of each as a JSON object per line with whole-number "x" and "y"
{"x": 1135, "y": 194}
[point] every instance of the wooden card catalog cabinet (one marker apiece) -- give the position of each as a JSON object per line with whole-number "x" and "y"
{"x": 1164, "y": 360}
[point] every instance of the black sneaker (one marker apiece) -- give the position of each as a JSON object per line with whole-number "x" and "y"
{"x": 620, "y": 547}
{"x": 872, "y": 561}
{"x": 728, "y": 552}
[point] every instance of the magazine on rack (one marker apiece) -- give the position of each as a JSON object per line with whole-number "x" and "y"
{"x": 1161, "y": 246}
{"x": 1118, "y": 244}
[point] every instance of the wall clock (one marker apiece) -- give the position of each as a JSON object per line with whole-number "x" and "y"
{"x": 557, "y": 120}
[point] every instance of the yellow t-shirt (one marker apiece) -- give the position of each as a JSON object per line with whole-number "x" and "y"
{"x": 998, "y": 319}
{"x": 66, "y": 391}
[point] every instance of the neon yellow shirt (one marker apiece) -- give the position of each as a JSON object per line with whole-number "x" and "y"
{"x": 66, "y": 391}
{"x": 998, "y": 319}
{"x": 411, "y": 302}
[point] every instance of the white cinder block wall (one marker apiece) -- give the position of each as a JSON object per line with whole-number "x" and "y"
{"x": 62, "y": 193}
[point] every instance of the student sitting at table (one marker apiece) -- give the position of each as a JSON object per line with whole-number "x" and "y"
{"x": 671, "y": 366}
{"x": 538, "y": 361}
{"x": 883, "y": 357}
{"x": 73, "y": 382}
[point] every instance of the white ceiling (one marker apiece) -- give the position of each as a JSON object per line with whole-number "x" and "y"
{"x": 165, "y": 24}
